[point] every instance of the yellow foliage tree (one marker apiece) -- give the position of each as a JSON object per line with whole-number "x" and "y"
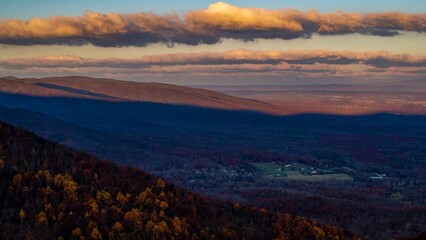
{"x": 104, "y": 196}
{"x": 47, "y": 176}
{"x": 17, "y": 180}
{"x": 76, "y": 232}
{"x": 320, "y": 234}
{"x": 149, "y": 226}
{"x": 162, "y": 214}
{"x": 94, "y": 207}
{"x": 42, "y": 219}
{"x": 141, "y": 198}
{"x": 177, "y": 225}
{"x": 162, "y": 195}
{"x": 68, "y": 184}
{"x": 161, "y": 183}
{"x": 121, "y": 198}
{"x": 163, "y": 205}
{"x": 162, "y": 228}
{"x": 96, "y": 234}
{"x": 48, "y": 190}
{"x": 134, "y": 216}
{"x": 117, "y": 228}
{"x": 22, "y": 215}
{"x": 70, "y": 188}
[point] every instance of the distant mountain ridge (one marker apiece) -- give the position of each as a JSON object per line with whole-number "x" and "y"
{"x": 117, "y": 90}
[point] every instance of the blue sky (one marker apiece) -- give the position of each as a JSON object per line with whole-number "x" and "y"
{"x": 44, "y": 8}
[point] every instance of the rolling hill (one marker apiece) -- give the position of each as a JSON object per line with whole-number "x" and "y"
{"x": 114, "y": 90}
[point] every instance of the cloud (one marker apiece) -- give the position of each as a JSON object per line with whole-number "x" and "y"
{"x": 103, "y": 30}
{"x": 229, "y": 64}
{"x": 220, "y": 20}
{"x": 381, "y": 59}
{"x": 251, "y": 23}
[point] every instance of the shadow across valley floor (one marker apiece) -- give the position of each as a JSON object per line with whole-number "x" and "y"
{"x": 224, "y": 153}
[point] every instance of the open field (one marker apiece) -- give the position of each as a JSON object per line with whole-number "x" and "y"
{"x": 323, "y": 177}
{"x": 298, "y": 172}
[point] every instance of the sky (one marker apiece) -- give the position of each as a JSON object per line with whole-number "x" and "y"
{"x": 209, "y": 42}
{"x": 24, "y": 9}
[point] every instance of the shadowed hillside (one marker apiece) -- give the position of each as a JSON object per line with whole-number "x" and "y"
{"x": 48, "y": 191}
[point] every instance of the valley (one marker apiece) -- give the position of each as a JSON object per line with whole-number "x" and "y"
{"x": 401, "y": 97}
{"x": 230, "y": 155}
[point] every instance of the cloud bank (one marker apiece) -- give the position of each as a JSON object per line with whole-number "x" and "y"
{"x": 208, "y": 26}
{"x": 381, "y": 59}
{"x": 236, "y": 63}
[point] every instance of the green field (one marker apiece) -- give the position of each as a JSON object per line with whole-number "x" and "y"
{"x": 323, "y": 177}
{"x": 397, "y": 197}
{"x": 273, "y": 170}
{"x": 269, "y": 169}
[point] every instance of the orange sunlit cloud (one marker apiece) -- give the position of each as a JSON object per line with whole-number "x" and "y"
{"x": 209, "y": 26}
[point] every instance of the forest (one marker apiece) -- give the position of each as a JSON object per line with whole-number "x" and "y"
{"x": 48, "y": 191}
